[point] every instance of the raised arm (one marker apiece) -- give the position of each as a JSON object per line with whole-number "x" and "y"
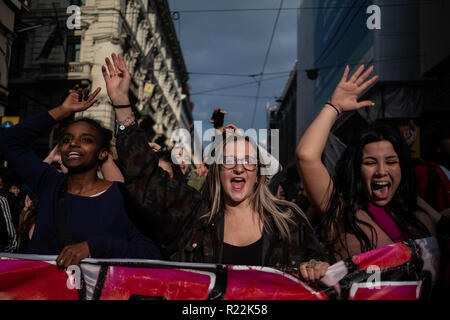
{"x": 165, "y": 209}
{"x": 109, "y": 168}
{"x": 312, "y": 171}
{"x": 16, "y": 142}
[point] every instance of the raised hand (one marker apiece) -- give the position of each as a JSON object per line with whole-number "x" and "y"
{"x": 345, "y": 96}
{"x": 79, "y": 99}
{"x": 217, "y": 118}
{"x": 117, "y": 79}
{"x": 155, "y": 147}
{"x": 232, "y": 129}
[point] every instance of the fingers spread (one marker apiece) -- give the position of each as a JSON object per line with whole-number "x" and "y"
{"x": 112, "y": 71}
{"x": 94, "y": 94}
{"x": 345, "y": 75}
{"x": 105, "y": 74}
{"x": 122, "y": 63}
{"x": 80, "y": 94}
{"x": 116, "y": 62}
{"x": 368, "y": 83}
{"x": 357, "y": 74}
{"x": 86, "y": 94}
{"x": 364, "y": 76}
{"x": 366, "y": 103}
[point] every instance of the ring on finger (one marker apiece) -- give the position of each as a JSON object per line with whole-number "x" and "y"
{"x": 311, "y": 264}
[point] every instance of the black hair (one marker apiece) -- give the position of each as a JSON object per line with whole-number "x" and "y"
{"x": 349, "y": 195}
{"x": 166, "y": 156}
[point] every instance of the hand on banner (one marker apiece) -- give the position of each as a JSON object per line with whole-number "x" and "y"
{"x": 72, "y": 255}
{"x": 117, "y": 81}
{"x": 313, "y": 270}
{"x": 345, "y": 96}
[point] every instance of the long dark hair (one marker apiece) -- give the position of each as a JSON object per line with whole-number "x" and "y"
{"x": 349, "y": 194}
{"x": 166, "y": 156}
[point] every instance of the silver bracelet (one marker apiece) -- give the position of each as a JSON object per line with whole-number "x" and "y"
{"x": 128, "y": 122}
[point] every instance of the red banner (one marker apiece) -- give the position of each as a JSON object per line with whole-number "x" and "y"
{"x": 406, "y": 271}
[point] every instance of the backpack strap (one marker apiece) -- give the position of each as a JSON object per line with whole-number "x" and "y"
{"x": 61, "y": 217}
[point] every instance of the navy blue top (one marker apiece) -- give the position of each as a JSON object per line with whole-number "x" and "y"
{"x": 101, "y": 220}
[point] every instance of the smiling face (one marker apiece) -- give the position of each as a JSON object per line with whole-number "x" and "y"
{"x": 238, "y": 183}
{"x": 380, "y": 171}
{"x": 80, "y": 147}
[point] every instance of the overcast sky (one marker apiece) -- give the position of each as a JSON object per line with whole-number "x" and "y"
{"x": 236, "y": 43}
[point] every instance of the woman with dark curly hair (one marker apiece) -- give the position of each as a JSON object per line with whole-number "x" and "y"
{"x": 372, "y": 201}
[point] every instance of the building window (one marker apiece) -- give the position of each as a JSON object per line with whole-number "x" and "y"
{"x": 73, "y": 48}
{"x": 78, "y": 2}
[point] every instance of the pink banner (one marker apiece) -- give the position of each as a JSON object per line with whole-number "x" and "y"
{"x": 403, "y": 271}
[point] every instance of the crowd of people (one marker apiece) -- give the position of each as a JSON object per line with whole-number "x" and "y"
{"x": 131, "y": 200}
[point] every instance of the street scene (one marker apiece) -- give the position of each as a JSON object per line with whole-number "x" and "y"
{"x": 224, "y": 150}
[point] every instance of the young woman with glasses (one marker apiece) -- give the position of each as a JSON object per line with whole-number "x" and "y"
{"x": 235, "y": 219}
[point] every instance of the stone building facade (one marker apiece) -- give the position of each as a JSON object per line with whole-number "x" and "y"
{"x": 8, "y": 11}
{"x": 51, "y": 58}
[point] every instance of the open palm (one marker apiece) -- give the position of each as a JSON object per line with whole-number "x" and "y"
{"x": 79, "y": 99}
{"x": 345, "y": 96}
{"x": 117, "y": 79}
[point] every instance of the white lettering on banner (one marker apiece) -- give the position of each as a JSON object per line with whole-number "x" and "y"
{"x": 73, "y": 277}
{"x": 373, "y": 282}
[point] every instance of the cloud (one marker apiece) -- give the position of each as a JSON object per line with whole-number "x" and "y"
{"x": 235, "y": 43}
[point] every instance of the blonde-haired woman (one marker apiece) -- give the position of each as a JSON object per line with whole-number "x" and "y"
{"x": 237, "y": 221}
{"x": 258, "y": 228}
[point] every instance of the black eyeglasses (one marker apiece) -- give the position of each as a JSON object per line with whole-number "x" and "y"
{"x": 249, "y": 164}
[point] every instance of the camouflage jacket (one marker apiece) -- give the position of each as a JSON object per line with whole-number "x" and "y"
{"x": 170, "y": 212}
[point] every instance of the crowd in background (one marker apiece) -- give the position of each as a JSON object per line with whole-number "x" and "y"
{"x": 91, "y": 199}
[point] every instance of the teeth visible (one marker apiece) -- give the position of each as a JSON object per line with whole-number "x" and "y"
{"x": 74, "y": 154}
{"x": 381, "y": 183}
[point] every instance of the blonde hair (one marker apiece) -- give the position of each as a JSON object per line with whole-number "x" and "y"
{"x": 262, "y": 201}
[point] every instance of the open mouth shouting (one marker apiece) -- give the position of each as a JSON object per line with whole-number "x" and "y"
{"x": 237, "y": 184}
{"x": 380, "y": 190}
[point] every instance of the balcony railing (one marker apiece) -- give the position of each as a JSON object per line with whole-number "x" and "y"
{"x": 71, "y": 70}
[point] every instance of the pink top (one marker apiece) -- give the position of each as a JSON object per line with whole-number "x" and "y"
{"x": 385, "y": 222}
